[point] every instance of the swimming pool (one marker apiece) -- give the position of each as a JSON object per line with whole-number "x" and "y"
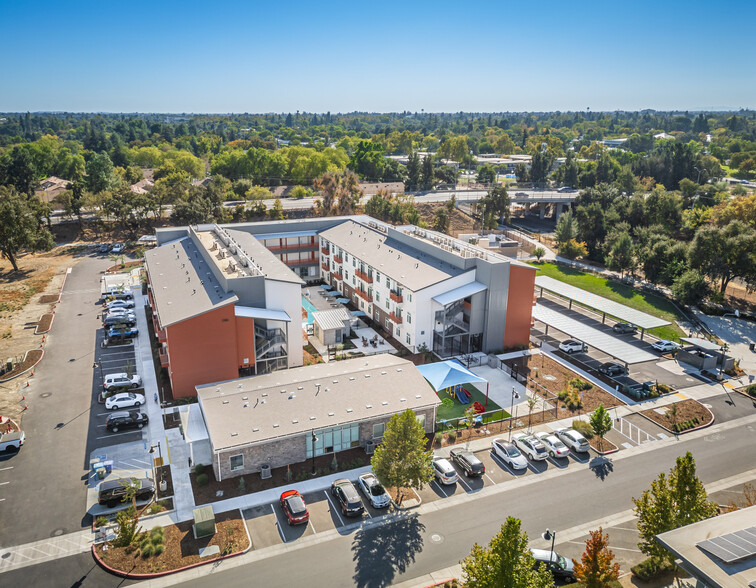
{"x": 310, "y": 308}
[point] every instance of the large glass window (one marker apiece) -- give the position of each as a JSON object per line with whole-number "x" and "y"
{"x": 236, "y": 462}
{"x": 378, "y": 430}
{"x": 334, "y": 439}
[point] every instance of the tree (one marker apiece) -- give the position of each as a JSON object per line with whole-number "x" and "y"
{"x": 621, "y": 254}
{"x": 441, "y": 220}
{"x": 539, "y": 252}
{"x": 497, "y": 202}
{"x": 18, "y": 171}
{"x": 573, "y": 249}
{"x": 505, "y": 563}
{"x": 690, "y": 288}
{"x": 276, "y": 212}
{"x": 101, "y": 174}
{"x": 724, "y": 254}
{"x": 566, "y": 228}
{"x": 671, "y": 502}
{"x": 401, "y": 460}
{"x": 413, "y": 172}
{"x": 601, "y": 422}
{"x": 596, "y": 568}
{"x": 368, "y": 160}
{"x": 426, "y": 173}
{"x": 340, "y": 192}
{"x": 21, "y": 225}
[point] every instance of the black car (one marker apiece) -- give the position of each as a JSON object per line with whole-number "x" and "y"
{"x": 612, "y": 369}
{"x": 349, "y": 500}
{"x": 470, "y": 464}
{"x": 112, "y": 492}
{"x": 623, "y": 328}
{"x": 132, "y": 419}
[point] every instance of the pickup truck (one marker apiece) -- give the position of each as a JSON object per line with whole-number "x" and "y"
{"x": 12, "y": 441}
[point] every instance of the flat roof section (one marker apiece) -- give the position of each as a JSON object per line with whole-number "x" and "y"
{"x": 459, "y": 293}
{"x": 620, "y": 311}
{"x": 295, "y": 401}
{"x": 617, "y": 348}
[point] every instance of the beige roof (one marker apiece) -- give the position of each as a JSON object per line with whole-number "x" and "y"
{"x": 331, "y": 319}
{"x": 295, "y": 401}
{"x": 408, "y": 266}
{"x": 272, "y": 267}
{"x": 143, "y": 186}
{"x": 182, "y": 284}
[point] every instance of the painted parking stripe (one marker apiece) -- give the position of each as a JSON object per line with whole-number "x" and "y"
{"x": 440, "y": 487}
{"x": 278, "y": 524}
{"x": 502, "y": 463}
{"x": 461, "y": 481}
{"x": 4, "y": 483}
{"x": 309, "y": 522}
{"x": 489, "y": 479}
{"x": 336, "y": 510}
{"x": 116, "y": 435}
{"x": 8, "y": 468}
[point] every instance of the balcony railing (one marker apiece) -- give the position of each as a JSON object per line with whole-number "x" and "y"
{"x": 163, "y": 358}
{"x": 310, "y": 261}
{"x": 364, "y": 295}
{"x": 363, "y": 276}
{"x": 325, "y": 266}
{"x": 338, "y": 258}
{"x": 325, "y": 251}
{"x": 294, "y": 247}
{"x": 395, "y": 319}
{"x": 396, "y": 297}
{"x": 338, "y": 276}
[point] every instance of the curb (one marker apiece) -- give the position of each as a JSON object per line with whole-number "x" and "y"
{"x": 37, "y": 331}
{"x": 602, "y": 453}
{"x": 63, "y": 285}
{"x": 677, "y": 433}
{"x": 407, "y": 508}
{"x": 123, "y": 574}
{"x": 27, "y": 369}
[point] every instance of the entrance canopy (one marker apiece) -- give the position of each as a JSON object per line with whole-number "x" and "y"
{"x": 449, "y": 373}
{"x": 701, "y": 343}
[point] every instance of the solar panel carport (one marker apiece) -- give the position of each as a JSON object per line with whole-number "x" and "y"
{"x": 617, "y": 348}
{"x": 642, "y": 320}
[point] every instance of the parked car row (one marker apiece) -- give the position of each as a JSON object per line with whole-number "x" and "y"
{"x": 538, "y": 447}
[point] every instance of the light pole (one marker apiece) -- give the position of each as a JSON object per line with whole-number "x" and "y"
{"x": 96, "y": 365}
{"x": 154, "y": 469}
{"x": 550, "y": 535}
{"x": 314, "y": 440}
{"x": 511, "y": 405}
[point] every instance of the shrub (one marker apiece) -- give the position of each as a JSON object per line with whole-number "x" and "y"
{"x": 203, "y": 479}
{"x": 439, "y": 436}
{"x": 147, "y": 550}
{"x": 101, "y": 522}
{"x": 198, "y": 469}
{"x": 159, "y": 549}
{"x": 584, "y": 428}
{"x": 580, "y": 384}
{"x": 751, "y": 390}
{"x": 155, "y": 508}
{"x": 571, "y": 398}
{"x": 452, "y": 435}
{"x": 652, "y": 568}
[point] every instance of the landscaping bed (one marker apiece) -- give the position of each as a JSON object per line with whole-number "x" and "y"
{"x": 48, "y": 298}
{"x": 408, "y": 494}
{"x": 298, "y": 472}
{"x": 172, "y": 420}
{"x": 122, "y": 267}
{"x": 30, "y": 359}
{"x": 691, "y": 414}
{"x": 749, "y": 391}
{"x": 164, "y": 473}
{"x": 181, "y": 549}
{"x": 602, "y": 447}
{"x": 44, "y": 324}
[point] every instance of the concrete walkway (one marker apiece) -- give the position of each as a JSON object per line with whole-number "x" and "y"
{"x": 737, "y": 333}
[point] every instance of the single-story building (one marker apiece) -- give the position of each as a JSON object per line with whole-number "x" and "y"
{"x": 702, "y": 354}
{"x": 274, "y": 418}
{"x": 331, "y": 327}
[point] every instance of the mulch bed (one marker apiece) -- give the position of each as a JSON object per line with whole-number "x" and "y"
{"x": 231, "y": 488}
{"x": 171, "y": 420}
{"x": 164, "y": 473}
{"x": 181, "y": 548}
{"x": 604, "y": 446}
{"x": 44, "y": 324}
{"x": 114, "y": 269}
{"x": 48, "y": 298}
{"x": 687, "y": 410}
{"x": 408, "y": 494}
{"x": 31, "y": 358}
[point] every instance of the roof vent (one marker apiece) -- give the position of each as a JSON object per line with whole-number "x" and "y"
{"x": 418, "y": 396}
{"x": 245, "y": 397}
{"x": 367, "y": 375}
{"x": 255, "y": 429}
{"x": 275, "y": 425}
{"x": 384, "y": 403}
{"x": 298, "y": 388}
{"x": 234, "y": 434}
{"x": 398, "y": 369}
{"x": 402, "y": 400}
{"x": 368, "y": 406}
{"x": 335, "y": 381}
{"x": 350, "y": 410}
{"x": 351, "y": 378}
{"x": 264, "y": 394}
{"x": 225, "y": 402}
{"x": 383, "y": 373}
{"x": 294, "y": 421}
{"x": 312, "y": 418}
{"x": 330, "y": 414}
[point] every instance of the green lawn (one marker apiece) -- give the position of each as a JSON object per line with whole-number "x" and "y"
{"x": 457, "y": 410}
{"x": 650, "y": 303}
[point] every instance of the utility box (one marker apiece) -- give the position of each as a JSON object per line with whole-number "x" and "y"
{"x": 204, "y": 522}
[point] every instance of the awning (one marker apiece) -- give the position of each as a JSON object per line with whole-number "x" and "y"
{"x": 449, "y": 373}
{"x": 702, "y": 343}
{"x": 261, "y": 313}
{"x": 357, "y": 313}
{"x": 342, "y": 300}
{"x": 459, "y": 293}
{"x": 326, "y": 287}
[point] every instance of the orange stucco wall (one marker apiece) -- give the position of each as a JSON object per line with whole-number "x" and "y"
{"x": 519, "y": 306}
{"x": 245, "y": 341}
{"x": 202, "y": 350}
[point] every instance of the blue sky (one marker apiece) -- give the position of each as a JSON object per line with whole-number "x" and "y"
{"x": 166, "y": 56}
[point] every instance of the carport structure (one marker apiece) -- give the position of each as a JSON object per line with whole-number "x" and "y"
{"x": 617, "y": 348}
{"x": 642, "y": 320}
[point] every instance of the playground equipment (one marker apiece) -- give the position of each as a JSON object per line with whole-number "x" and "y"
{"x": 461, "y": 394}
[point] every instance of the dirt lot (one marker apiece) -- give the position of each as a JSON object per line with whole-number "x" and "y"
{"x": 181, "y": 548}
{"x": 460, "y": 222}
{"x": 21, "y": 307}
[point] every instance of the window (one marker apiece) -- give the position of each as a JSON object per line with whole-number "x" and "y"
{"x": 408, "y": 339}
{"x": 387, "y": 325}
{"x": 377, "y": 276}
{"x": 388, "y": 283}
{"x": 378, "y": 430}
{"x": 388, "y": 306}
{"x": 236, "y": 462}
{"x": 333, "y": 439}
{"x": 421, "y": 420}
{"x": 377, "y": 297}
{"x": 409, "y": 318}
{"x": 398, "y": 331}
{"x": 377, "y": 315}
{"x": 353, "y": 281}
{"x": 409, "y": 297}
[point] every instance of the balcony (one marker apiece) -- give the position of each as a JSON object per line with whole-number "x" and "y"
{"x": 310, "y": 261}
{"x": 395, "y": 319}
{"x": 325, "y": 267}
{"x": 325, "y": 251}
{"x": 535, "y": 300}
{"x": 364, "y": 295}
{"x": 396, "y": 297}
{"x": 363, "y": 276}
{"x": 163, "y": 358}
{"x": 338, "y": 258}
{"x": 338, "y": 276}
{"x": 293, "y": 247}
{"x": 466, "y": 305}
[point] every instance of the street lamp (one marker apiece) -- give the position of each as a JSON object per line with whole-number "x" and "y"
{"x": 550, "y": 535}
{"x": 314, "y": 440}
{"x": 511, "y": 405}
{"x": 96, "y": 365}
{"x": 154, "y": 469}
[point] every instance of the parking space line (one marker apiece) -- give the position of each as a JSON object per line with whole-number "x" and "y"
{"x": 501, "y": 463}
{"x": 8, "y": 468}
{"x": 4, "y": 483}
{"x": 440, "y": 487}
{"x": 309, "y": 522}
{"x": 461, "y": 481}
{"x": 278, "y": 524}
{"x": 116, "y": 435}
{"x": 328, "y": 498}
{"x": 490, "y": 479}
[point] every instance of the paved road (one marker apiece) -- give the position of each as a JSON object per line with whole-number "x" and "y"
{"x": 45, "y": 491}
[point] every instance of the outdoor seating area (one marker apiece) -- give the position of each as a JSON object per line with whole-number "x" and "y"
{"x": 369, "y": 342}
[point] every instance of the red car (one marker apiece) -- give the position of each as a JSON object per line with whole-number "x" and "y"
{"x": 294, "y": 508}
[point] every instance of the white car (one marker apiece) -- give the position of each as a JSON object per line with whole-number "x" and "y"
{"x": 665, "y": 345}
{"x": 444, "y": 471}
{"x": 117, "y": 248}
{"x": 111, "y": 306}
{"x": 509, "y": 454}
{"x": 124, "y": 400}
{"x": 553, "y": 445}
{"x": 121, "y": 380}
{"x": 533, "y": 449}
{"x": 572, "y": 439}
{"x": 373, "y": 490}
{"x": 572, "y": 346}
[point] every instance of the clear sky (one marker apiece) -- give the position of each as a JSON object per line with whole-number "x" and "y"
{"x": 282, "y": 56}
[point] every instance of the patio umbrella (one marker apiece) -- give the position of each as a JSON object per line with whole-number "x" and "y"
{"x": 326, "y": 287}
